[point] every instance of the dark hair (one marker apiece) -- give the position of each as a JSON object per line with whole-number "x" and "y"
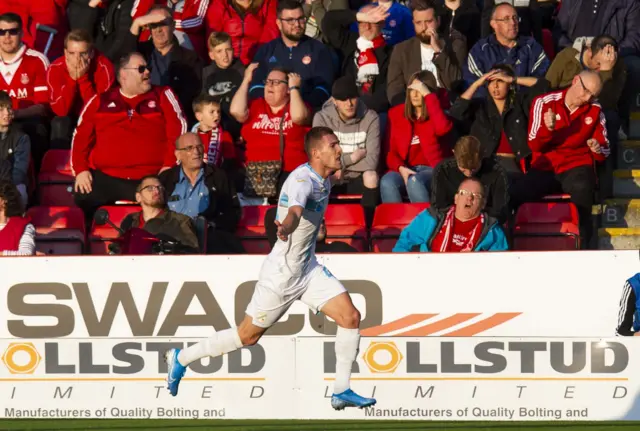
{"x": 600, "y": 42}
{"x": 9, "y": 192}
{"x": 428, "y": 79}
{"x": 5, "y": 99}
{"x": 161, "y": 7}
{"x": 424, "y": 5}
{"x": 78, "y": 35}
{"x": 287, "y": 5}
{"x": 314, "y": 137}
{"x": 497, "y": 5}
{"x": 145, "y": 178}
{"x": 467, "y": 153}
{"x": 124, "y": 60}
{"x": 279, "y": 68}
{"x": 203, "y": 100}
{"x": 11, "y": 18}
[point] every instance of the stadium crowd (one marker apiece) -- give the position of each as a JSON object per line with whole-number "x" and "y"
{"x": 201, "y": 107}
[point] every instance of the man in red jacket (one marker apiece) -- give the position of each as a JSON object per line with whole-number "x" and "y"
{"x": 73, "y": 80}
{"x": 123, "y": 135}
{"x": 567, "y": 134}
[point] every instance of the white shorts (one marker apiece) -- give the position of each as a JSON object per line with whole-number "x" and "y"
{"x": 275, "y": 292}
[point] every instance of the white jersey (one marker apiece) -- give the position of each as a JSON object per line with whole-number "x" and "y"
{"x": 305, "y": 188}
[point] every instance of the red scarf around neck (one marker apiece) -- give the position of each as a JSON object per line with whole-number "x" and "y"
{"x": 448, "y": 232}
{"x": 367, "y": 62}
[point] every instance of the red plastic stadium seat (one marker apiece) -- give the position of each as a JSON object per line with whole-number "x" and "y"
{"x": 251, "y": 229}
{"x": 55, "y": 180}
{"x": 547, "y": 43}
{"x": 59, "y": 230}
{"x": 388, "y": 222}
{"x": 100, "y": 236}
{"x": 346, "y": 222}
{"x": 546, "y": 226}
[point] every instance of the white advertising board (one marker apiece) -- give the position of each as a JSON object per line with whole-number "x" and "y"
{"x": 439, "y": 378}
{"x": 571, "y": 294}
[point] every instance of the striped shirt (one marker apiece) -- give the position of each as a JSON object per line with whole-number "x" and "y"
{"x": 27, "y": 246}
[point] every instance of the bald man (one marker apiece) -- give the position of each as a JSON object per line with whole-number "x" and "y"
{"x": 567, "y": 133}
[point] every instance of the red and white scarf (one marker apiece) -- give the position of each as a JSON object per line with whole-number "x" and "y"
{"x": 213, "y": 156}
{"x": 448, "y": 232}
{"x": 367, "y": 62}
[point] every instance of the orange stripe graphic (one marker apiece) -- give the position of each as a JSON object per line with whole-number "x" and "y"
{"x": 402, "y": 323}
{"x": 439, "y": 325}
{"x": 483, "y": 325}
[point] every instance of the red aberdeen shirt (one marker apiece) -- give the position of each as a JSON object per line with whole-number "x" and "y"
{"x": 24, "y": 78}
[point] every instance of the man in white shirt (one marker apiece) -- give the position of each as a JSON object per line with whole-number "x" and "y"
{"x": 291, "y": 272}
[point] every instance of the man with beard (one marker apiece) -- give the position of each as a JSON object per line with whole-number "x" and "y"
{"x": 159, "y": 220}
{"x": 442, "y": 55}
{"x": 123, "y": 135}
{"x": 297, "y": 53}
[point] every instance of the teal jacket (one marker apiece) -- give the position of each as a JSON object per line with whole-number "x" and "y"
{"x": 419, "y": 234}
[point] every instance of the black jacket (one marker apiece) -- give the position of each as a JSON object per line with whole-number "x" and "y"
{"x": 336, "y": 30}
{"x": 224, "y": 207}
{"x": 185, "y": 71}
{"x": 466, "y": 20}
{"x": 447, "y": 178}
{"x": 480, "y": 118}
{"x": 222, "y": 84}
{"x": 113, "y": 31}
{"x": 169, "y": 225}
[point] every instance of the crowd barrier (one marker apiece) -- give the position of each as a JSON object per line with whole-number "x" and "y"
{"x": 479, "y": 336}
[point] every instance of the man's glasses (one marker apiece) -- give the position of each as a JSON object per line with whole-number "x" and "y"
{"x": 140, "y": 69}
{"x": 585, "y": 89}
{"x": 11, "y": 31}
{"x": 301, "y": 20}
{"x": 274, "y": 82}
{"x": 192, "y": 148}
{"x": 466, "y": 193}
{"x": 507, "y": 19}
{"x": 152, "y": 188}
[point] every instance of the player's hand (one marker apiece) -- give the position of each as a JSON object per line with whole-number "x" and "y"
{"x": 550, "y": 119}
{"x": 594, "y": 146}
{"x": 282, "y": 233}
{"x": 83, "y": 182}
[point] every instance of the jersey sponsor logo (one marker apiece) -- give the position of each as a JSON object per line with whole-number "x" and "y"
{"x": 271, "y": 125}
{"x": 21, "y": 93}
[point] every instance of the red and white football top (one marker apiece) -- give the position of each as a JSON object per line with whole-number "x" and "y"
{"x": 25, "y": 78}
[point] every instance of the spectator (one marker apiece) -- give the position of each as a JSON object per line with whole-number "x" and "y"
{"x": 171, "y": 64}
{"x": 629, "y": 313}
{"x": 567, "y": 133}
{"x": 463, "y": 227}
{"x": 500, "y": 120}
{"x": 365, "y": 57}
{"x": 124, "y": 135}
{"x": 84, "y": 15}
{"x": 15, "y": 149}
{"x": 440, "y": 54}
{"x": 114, "y": 25}
{"x": 468, "y": 163}
{"x": 397, "y": 27}
{"x": 219, "y": 150}
{"x": 273, "y": 128}
{"x": 523, "y": 53}
{"x": 72, "y": 80}
{"x": 189, "y": 19}
{"x": 462, "y": 16}
{"x": 197, "y": 189}
{"x": 160, "y": 221}
{"x": 358, "y": 129}
{"x": 17, "y": 234}
{"x": 297, "y": 53}
{"x": 250, "y": 23}
{"x": 24, "y": 73}
{"x": 222, "y": 78}
{"x": 416, "y": 142}
{"x": 315, "y": 11}
{"x": 529, "y": 17}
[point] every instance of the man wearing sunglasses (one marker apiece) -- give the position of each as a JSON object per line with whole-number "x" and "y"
{"x": 567, "y": 135}
{"x": 124, "y": 135}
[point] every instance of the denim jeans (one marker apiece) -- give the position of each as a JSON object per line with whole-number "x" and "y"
{"x": 417, "y": 189}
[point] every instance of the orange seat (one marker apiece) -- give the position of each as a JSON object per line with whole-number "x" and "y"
{"x": 546, "y": 226}
{"x": 59, "y": 230}
{"x": 101, "y": 236}
{"x": 388, "y": 222}
{"x": 346, "y": 222}
{"x": 251, "y": 229}
{"x": 55, "y": 180}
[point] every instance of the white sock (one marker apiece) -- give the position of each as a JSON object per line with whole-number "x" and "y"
{"x": 347, "y": 346}
{"x": 221, "y": 343}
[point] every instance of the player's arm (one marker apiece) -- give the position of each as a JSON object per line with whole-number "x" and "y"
{"x": 290, "y": 222}
{"x": 297, "y": 197}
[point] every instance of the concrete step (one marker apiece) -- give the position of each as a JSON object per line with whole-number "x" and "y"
{"x": 621, "y": 213}
{"x": 628, "y": 155}
{"x": 626, "y": 183}
{"x": 613, "y": 238}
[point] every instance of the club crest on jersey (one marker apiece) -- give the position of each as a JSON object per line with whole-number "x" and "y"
{"x": 588, "y": 121}
{"x": 24, "y": 78}
{"x": 152, "y": 104}
{"x": 306, "y": 59}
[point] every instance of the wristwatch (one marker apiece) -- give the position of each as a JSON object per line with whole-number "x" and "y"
{"x": 294, "y": 88}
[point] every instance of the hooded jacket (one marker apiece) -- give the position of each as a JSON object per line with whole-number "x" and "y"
{"x": 361, "y": 131}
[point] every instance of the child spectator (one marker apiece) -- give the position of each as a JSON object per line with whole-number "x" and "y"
{"x": 17, "y": 234}
{"x": 218, "y": 144}
{"x": 15, "y": 149}
{"x": 222, "y": 78}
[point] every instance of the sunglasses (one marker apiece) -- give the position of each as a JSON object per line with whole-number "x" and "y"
{"x": 163, "y": 23}
{"x": 11, "y": 31}
{"x": 140, "y": 69}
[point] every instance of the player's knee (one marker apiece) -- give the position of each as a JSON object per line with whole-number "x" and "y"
{"x": 350, "y": 319}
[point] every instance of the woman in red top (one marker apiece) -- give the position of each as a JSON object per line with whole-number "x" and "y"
{"x": 261, "y": 120}
{"x": 415, "y": 141}
{"x": 17, "y": 234}
{"x": 250, "y": 23}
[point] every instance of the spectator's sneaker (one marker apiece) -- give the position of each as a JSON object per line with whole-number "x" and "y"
{"x": 175, "y": 370}
{"x": 350, "y": 399}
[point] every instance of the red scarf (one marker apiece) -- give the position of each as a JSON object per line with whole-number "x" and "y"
{"x": 367, "y": 62}
{"x": 448, "y": 232}
{"x": 214, "y": 155}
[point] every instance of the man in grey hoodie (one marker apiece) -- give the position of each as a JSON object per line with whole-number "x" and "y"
{"x": 358, "y": 129}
